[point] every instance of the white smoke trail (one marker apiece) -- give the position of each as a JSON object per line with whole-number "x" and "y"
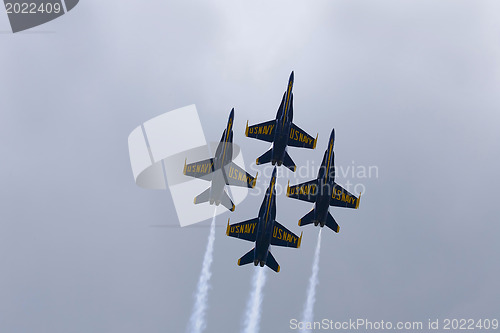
{"x": 197, "y": 322}
{"x": 252, "y": 314}
{"x": 313, "y": 282}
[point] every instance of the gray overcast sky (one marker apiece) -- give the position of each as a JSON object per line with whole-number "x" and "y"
{"x": 410, "y": 87}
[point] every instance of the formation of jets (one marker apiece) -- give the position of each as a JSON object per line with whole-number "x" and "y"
{"x": 264, "y": 230}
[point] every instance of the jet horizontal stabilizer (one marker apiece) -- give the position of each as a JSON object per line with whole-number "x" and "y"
{"x": 226, "y": 201}
{"x": 265, "y": 158}
{"x": 288, "y": 162}
{"x": 307, "y": 219}
{"x": 203, "y": 197}
{"x": 247, "y": 258}
{"x": 330, "y": 223}
{"x": 272, "y": 263}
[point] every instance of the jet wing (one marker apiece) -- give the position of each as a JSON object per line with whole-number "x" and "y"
{"x": 306, "y": 191}
{"x": 299, "y": 138}
{"x": 284, "y": 237}
{"x": 262, "y": 131}
{"x": 236, "y": 176}
{"x": 199, "y": 169}
{"x": 246, "y": 230}
{"x": 342, "y": 198}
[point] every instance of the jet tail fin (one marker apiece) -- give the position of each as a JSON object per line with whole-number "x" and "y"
{"x": 307, "y": 219}
{"x": 247, "y": 258}
{"x": 330, "y": 223}
{"x": 202, "y": 197}
{"x": 265, "y": 158}
{"x": 272, "y": 263}
{"x": 288, "y": 162}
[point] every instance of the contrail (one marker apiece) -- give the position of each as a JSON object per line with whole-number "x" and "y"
{"x": 197, "y": 322}
{"x": 311, "y": 289}
{"x": 252, "y": 314}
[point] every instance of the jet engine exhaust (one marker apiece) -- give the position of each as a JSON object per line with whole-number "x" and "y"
{"x": 313, "y": 282}
{"x": 252, "y": 314}
{"x": 197, "y": 321}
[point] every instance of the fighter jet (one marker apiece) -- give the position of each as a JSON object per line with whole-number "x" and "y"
{"x": 264, "y": 230}
{"x": 323, "y": 192}
{"x": 281, "y": 132}
{"x": 221, "y": 171}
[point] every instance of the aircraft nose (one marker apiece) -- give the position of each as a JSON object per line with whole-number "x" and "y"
{"x": 230, "y": 120}
{"x": 291, "y": 77}
{"x": 274, "y": 174}
{"x": 332, "y": 138}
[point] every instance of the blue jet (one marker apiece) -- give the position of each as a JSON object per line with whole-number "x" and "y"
{"x": 221, "y": 171}
{"x": 323, "y": 192}
{"x": 264, "y": 230}
{"x": 281, "y": 132}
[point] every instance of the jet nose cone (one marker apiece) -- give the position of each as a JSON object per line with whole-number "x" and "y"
{"x": 332, "y": 137}
{"x": 230, "y": 120}
{"x": 291, "y": 77}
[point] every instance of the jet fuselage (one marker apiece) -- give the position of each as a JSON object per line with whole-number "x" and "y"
{"x": 284, "y": 118}
{"x": 223, "y": 156}
{"x": 267, "y": 216}
{"x": 325, "y": 183}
